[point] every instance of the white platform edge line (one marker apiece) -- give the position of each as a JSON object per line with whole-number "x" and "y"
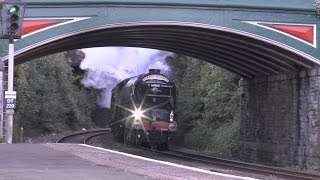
{"x": 168, "y": 163}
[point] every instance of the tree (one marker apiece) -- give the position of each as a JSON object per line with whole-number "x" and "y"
{"x": 49, "y": 99}
{"x": 208, "y": 104}
{"x": 190, "y": 104}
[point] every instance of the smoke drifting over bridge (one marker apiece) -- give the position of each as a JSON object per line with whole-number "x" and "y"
{"x": 106, "y": 66}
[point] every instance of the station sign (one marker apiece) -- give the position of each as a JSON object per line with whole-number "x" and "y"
{"x": 10, "y": 99}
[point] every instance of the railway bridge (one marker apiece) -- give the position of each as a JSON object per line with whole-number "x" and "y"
{"x": 271, "y": 44}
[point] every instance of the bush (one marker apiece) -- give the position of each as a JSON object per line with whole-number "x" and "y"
{"x": 208, "y": 106}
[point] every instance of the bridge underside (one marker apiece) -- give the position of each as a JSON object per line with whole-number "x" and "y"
{"x": 279, "y": 93}
{"x": 243, "y": 55}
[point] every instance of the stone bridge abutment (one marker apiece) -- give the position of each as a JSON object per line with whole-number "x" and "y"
{"x": 280, "y": 119}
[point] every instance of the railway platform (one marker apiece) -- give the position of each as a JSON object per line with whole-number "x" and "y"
{"x": 40, "y": 162}
{"x": 83, "y": 162}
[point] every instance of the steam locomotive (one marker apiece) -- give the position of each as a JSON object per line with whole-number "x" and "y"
{"x": 143, "y": 110}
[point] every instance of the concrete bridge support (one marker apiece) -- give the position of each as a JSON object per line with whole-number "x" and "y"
{"x": 280, "y": 120}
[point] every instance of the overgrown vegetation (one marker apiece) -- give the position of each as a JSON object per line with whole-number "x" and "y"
{"x": 50, "y": 99}
{"x": 208, "y": 106}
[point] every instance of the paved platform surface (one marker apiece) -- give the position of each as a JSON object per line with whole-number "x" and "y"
{"x": 79, "y": 162}
{"x": 39, "y": 162}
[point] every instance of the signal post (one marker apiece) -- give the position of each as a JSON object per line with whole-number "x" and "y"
{"x": 12, "y": 13}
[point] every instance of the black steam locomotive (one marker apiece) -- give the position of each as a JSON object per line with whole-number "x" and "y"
{"x": 143, "y": 109}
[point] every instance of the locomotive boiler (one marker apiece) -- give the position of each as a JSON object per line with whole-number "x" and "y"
{"x": 143, "y": 110}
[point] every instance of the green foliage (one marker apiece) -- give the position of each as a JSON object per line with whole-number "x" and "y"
{"x": 48, "y": 99}
{"x": 208, "y": 105}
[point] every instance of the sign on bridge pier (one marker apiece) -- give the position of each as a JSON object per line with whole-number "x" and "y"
{"x": 10, "y": 100}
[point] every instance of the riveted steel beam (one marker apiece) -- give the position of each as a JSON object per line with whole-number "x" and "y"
{"x": 251, "y": 58}
{"x": 227, "y": 39}
{"x": 240, "y": 49}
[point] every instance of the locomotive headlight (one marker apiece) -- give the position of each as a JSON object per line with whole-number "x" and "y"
{"x": 171, "y": 116}
{"x": 137, "y": 124}
{"x": 137, "y": 114}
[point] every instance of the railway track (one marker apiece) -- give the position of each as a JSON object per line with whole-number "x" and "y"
{"x": 84, "y": 136}
{"x": 240, "y": 166}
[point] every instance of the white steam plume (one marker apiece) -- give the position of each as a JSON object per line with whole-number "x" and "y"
{"x": 107, "y": 66}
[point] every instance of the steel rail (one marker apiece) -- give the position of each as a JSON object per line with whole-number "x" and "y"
{"x": 252, "y": 167}
{"x": 79, "y": 137}
{"x": 239, "y": 166}
{"x": 231, "y": 164}
{"x": 87, "y": 139}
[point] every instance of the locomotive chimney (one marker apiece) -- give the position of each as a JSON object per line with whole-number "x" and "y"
{"x": 154, "y": 71}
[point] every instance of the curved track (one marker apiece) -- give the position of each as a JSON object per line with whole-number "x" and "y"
{"x": 83, "y": 136}
{"x": 240, "y": 166}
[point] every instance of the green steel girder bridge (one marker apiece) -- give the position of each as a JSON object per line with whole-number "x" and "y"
{"x": 272, "y": 44}
{"x": 249, "y": 37}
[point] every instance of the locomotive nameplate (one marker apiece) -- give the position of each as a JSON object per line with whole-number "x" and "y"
{"x": 155, "y": 77}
